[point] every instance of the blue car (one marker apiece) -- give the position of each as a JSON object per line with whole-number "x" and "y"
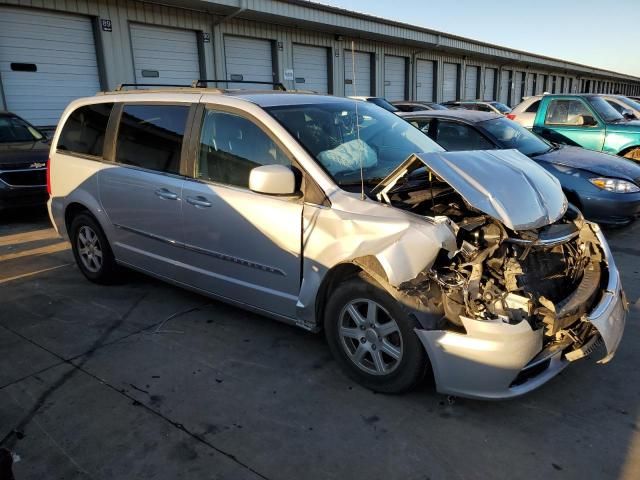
{"x": 605, "y": 187}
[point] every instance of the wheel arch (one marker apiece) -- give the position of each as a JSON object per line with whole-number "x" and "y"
{"x": 626, "y": 150}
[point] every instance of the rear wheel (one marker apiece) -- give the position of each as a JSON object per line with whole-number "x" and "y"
{"x": 633, "y": 154}
{"x": 372, "y": 338}
{"x": 92, "y": 250}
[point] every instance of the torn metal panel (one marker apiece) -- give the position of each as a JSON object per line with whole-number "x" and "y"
{"x": 504, "y": 184}
{"x": 403, "y": 243}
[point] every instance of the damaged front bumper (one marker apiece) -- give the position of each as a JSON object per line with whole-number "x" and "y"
{"x": 497, "y": 360}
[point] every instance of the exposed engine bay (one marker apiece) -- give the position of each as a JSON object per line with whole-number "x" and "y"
{"x": 548, "y": 276}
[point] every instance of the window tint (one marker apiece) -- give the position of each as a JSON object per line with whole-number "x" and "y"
{"x": 615, "y": 105}
{"x": 567, "y": 112}
{"x": 150, "y": 136}
{"x": 533, "y": 108}
{"x": 483, "y": 108}
{"x": 14, "y": 129}
{"x": 231, "y": 146}
{"x": 455, "y": 137}
{"x": 421, "y": 123}
{"x": 84, "y": 130}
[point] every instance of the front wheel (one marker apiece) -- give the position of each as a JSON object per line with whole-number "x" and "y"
{"x": 372, "y": 338}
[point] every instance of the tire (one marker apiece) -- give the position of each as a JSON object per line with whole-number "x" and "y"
{"x": 393, "y": 333}
{"x": 91, "y": 250}
{"x": 633, "y": 154}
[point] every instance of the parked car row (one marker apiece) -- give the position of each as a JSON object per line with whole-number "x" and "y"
{"x": 338, "y": 215}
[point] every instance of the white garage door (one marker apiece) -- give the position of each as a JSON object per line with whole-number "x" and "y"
{"x": 363, "y": 74}
{"x": 504, "y": 86}
{"x": 424, "y": 80}
{"x": 248, "y": 59}
{"x": 310, "y": 68}
{"x": 540, "y": 84}
{"x": 517, "y": 88}
{"x": 489, "y": 84}
{"x": 471, "y": 82}
{"x": 530, "y": 80}
{"x": 164, "y": 55}
{"x": 46, "y": 60}
{"x": 450, "y": 85}
{"x": 394, "y": 77}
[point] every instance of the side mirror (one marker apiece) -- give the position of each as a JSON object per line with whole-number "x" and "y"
{"x": 628, "y": 114}
{"x": 272, "y": 180}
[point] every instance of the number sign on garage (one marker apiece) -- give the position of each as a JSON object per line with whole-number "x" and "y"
{"x": 164, "y": 55}
{"x": 395, "y": 77}
{"x": 363, "y": 69}
{"x": 46, "y": 60}
{"x": 450, "y": 83}
{"x": 311, "y": 68}
{"x": 425, "y": 74}
{"x": 249, "y": 59}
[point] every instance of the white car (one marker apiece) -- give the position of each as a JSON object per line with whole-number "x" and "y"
{"x": 469, "y": 265}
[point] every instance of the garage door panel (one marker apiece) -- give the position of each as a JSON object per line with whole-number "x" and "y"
{"x": 394, "y": 77}
{"x": 62, "y": 48}
{"x": 251, "y": 58}
{"x": 171, "y": 52}
{"x": 425, "y": 70}
{"x": 471, "y": 82}
{"x": 489, "y": 84}
{"x": 450, "y": 82}
{"x": 311, "y": 64}
{"x": 363, "y": 74}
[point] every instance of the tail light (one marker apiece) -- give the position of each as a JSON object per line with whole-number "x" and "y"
{"x": 511, "y": 116}
{"x": 49, "y": 176}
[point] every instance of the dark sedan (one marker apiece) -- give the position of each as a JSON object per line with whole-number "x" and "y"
{"x": 23, "y": 163}
{"x": 605, "y": 187}
{"x": 417, "y": 106}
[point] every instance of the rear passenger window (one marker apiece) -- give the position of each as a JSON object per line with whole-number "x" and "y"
{"x": 150, "y": 136}
{"x": 533, "y": 108}
{"x": 231, "y": 146}
{"x": 84, "y": 130}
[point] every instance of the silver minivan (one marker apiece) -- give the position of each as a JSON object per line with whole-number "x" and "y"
{"x": 336, "y": 215}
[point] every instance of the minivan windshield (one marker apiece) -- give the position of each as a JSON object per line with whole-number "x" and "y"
{"x": 14, "y": 129}
{"x": 510, "y": 134}
{"x": 606, "y": 111}
{"x": 342, "y": 142}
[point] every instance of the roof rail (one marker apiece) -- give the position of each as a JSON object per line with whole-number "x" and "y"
{"x": 203, "y": 83}
{"x": 122, "y": 86}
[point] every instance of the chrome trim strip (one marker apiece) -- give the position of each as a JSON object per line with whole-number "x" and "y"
{"x": 23, "y": 170}
{"x": 152, "y": 236}
{"x": 204, "y": 251}
{"x": 550, "y": 242}
{"x": 240, "y": 261}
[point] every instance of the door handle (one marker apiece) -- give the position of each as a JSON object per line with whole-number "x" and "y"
{"x": 198, "y": 202}
{"x": 166, "y": 194}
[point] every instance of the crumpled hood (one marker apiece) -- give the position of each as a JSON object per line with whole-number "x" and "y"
{"x": 595, "y": 162}
{"x": 504, "y": 184}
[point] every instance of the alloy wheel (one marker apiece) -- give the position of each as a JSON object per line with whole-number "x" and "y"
{"x": 370, "y": 337}
{"x": 89, "y": 249}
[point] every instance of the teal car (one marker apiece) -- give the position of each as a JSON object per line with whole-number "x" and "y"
{"x": 583, "y": 120}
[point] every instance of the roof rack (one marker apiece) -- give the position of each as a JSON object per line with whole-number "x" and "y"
{"x": 122, "y": 86}
{"x": 203, "y": 83}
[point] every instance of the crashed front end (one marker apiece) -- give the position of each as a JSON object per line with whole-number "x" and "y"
{"x": 531, "y": 286}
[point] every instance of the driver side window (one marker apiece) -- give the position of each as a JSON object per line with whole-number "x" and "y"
{"x": 568, "y": 112}
{"x": 456, "y": 137}
{"x": 231, "y": 146}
